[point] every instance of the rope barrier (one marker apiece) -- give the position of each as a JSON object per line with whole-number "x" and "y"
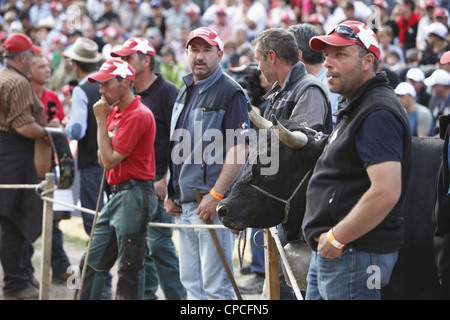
{"x": 273, "y": 230}
{"x": 19, "y": 186}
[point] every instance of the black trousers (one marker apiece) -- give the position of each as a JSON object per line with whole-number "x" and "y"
{"x": 15, "y": 255}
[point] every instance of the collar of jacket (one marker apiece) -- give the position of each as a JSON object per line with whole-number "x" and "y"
{"x": 204, "y": 84}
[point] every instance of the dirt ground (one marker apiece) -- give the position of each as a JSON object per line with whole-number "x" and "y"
{"x": 73, "y": 245}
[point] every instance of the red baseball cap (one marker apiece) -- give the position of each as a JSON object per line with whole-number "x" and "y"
{"x": 207, "y": 34}
{"x": 193, "y": 9}
{"x": 19, "y": 42}
{"x": 439, "y": 12}
{"x": 221, "y": 9}
{"x": 445, "y": 58}
{"x": 430, "y": 3}
{"x": 135, "y": 44}
{"x": 113, "y": 68}
{"x": 364, "y": 37}
{"x": 287, "y": 16}
{"x": 380, "y": 3}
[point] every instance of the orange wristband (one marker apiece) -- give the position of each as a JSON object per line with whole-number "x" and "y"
{"x": 333, "y": 241}
{"x": 216, "y": 195}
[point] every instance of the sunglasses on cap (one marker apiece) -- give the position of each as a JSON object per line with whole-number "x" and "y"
{"x": 347, "y": 32}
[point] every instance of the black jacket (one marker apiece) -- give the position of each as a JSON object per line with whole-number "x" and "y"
{"x": 441, "y": 217}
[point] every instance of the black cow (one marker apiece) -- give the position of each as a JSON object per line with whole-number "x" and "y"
{"x": 260, "y": 202}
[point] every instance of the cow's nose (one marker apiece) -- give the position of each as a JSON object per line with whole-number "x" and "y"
{"x": 221, "y": 210}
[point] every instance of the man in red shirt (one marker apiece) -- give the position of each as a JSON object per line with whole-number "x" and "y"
{"x": 125, "y": 134}
{"x": 54, "y": 112}
{"x": 407, "y": 24}
{"x": 39, "y": 77}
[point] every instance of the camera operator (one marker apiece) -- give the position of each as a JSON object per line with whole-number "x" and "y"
{"x": 249, "y": 77}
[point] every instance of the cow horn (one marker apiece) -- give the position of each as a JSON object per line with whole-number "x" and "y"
{"x": 256, "y": 119}
{"x": 295, "y": 139}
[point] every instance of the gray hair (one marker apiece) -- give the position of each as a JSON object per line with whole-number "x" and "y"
{"x": 280, "y": 41}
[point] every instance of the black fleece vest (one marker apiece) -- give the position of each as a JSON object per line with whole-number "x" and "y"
{"x": 340, "y": 179}
{"x": 87, "y": 147}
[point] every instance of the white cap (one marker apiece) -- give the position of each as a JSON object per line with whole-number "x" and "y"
{"x": 415, "y": 74}
{"x": 405, "y": 88}
{"x": 438, "y": 29}
{"x": 440, "y": 76}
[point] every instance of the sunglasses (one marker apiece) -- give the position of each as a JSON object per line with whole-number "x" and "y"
{"x": 347, "y": 32}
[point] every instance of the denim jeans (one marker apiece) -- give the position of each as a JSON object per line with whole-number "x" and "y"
{"x": 201, "y": 270}
{"x": 355, "y": 275}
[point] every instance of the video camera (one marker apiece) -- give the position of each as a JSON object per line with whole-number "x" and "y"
{"x": 248, "y": 78}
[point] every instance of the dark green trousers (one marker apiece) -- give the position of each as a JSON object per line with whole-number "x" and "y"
{"x": 120, "y": 234}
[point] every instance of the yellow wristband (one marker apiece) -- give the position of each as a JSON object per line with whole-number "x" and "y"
{"x": 333, "y": 241}
{"x": 216, "y": 195}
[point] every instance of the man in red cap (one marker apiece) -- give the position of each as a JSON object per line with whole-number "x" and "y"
{"x": 361, "y": 176}
{"x": 22, "y": 122}
{"x": 125, "y": 133}
{"x": 211, "y": 102}
{"x": 158, "y": 94}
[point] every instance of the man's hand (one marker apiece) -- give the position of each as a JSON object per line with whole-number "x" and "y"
{"x": 102, "y": 108}
{"x": 207, "y": 208}
{"x": 160, "y": 189}
{"x": 325, "y": 248}
{"x": 54, "y": 123}
{"x": 171, "y": 208}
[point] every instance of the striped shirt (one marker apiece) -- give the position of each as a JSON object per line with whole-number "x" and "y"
{"x": 19, "y": 104}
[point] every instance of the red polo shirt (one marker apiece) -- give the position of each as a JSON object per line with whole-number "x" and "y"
{"x": 132, "y": 134}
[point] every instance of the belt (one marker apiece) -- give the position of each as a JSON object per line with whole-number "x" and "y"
{"x": 126, "y": 185}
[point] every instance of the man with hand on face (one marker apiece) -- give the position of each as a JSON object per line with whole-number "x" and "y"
{"x": 216, "y": 104}
{"x": 125, "y": 133}
{"x": 158, "y": 94}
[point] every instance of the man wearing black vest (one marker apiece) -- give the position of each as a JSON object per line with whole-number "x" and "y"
{"x": 352, "y": 220}
{"x": 85, "y": 57}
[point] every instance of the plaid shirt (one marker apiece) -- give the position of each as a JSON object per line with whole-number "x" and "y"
{"x": 19, "y": 104}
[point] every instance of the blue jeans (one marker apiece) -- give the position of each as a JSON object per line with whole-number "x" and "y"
{"x": 201, "y": 270}
{"x": 355, "y": 275}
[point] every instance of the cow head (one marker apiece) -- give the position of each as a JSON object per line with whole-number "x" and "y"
{"x": 265, "y": 200}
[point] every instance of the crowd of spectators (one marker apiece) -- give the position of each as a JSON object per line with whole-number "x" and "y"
{"x": 412, "y": 33}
